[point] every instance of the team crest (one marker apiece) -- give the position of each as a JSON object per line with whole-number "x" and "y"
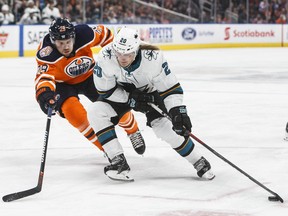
{"x": 78, "y": 66}
{"x": 45, "y": 51}
{"x": 107, "y": 53}
{"x": 150, "y": 54}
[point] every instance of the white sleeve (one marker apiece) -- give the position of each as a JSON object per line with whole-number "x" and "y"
{"x": 167, "y": 84}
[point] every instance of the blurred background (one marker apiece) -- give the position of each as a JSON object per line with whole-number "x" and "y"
{"x": 144, "y": 11}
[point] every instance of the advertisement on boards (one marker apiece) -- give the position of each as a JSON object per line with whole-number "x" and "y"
{"x": 17, "y": 40}
{"x": 32, "y": 36}
{"x": 252, "y": 33}
{"x": 9, "y": 41}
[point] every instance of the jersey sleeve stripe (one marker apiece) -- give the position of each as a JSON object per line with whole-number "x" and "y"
{"x": 42, "y": 76}
{"x": 46, "y": 83}
{"x": 107, "y": 37}
{"x": 106, "y": 94}
{"x": 176, "y": 89}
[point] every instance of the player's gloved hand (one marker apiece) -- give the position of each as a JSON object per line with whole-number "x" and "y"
{"x": 46, "y": 98}
{"x": 180, "y": 120}
{"x": 139, "y": 100}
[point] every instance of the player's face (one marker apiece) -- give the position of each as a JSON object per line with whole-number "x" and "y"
{"x": 125, "y": 60}
{"x": 65, "y": 47}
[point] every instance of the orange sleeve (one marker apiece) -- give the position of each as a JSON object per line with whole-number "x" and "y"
{"x": 45, "y": 76}
{"x": 103, "y": 36}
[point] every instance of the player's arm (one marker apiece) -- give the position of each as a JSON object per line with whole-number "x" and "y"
{"x": 45, "y": 86}
{"x": 171, "y": 92}
{"x": 166, "y": 83}
{"x": 102, "y": 36}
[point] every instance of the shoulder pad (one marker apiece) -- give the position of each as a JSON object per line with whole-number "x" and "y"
{"x": 84, "y": 35}
{"x": 47, "y": 52}
{"x": 106, "y": 52}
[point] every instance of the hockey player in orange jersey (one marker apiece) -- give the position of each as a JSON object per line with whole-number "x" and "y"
{"x": 65, "y": 68}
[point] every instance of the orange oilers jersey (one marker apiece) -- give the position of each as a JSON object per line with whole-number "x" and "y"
{"x": 54, "y": 67}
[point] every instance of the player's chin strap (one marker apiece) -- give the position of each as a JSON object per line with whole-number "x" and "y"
{"x": 275, "y": 196}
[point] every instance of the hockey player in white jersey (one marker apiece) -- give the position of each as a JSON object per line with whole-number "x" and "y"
{"x": 130, "y": 74}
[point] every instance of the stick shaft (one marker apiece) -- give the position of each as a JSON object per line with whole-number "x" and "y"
{"x": 219, "y": 155}
{"x": 38, "y": 188}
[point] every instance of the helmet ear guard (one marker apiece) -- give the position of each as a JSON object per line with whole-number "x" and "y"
{"x": 61, "y": 29}
{"x": 126, "y": 41}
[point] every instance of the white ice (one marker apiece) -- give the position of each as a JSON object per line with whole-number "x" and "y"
{"x": 238, "y": 103}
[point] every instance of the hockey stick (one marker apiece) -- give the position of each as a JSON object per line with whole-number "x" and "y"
{"x": 37, "y": 189}
{"x": 275, "y": 196}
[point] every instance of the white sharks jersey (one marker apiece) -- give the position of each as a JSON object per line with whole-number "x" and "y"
{"x": 149, "y": 72}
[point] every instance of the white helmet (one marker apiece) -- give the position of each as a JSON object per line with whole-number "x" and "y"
{"x": 126, "y": 41}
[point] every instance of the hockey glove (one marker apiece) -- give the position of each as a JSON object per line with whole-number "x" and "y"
{"x": 180, "y": 120}
{"x": 46, "y": 98}
{"x": 139, "y": 100}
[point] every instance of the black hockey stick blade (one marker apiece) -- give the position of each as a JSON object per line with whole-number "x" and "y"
{"x": 19, "y": 195}
{"x": 275, "y": 198}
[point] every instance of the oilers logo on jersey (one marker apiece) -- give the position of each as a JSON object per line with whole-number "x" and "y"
{"x": 78, "y": 66}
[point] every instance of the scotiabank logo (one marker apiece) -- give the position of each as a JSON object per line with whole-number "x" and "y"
{"x": 248, "y": 34}
{"x": 227, "y": 33}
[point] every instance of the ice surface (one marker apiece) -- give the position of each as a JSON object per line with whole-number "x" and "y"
{"x": 238, "y": 103}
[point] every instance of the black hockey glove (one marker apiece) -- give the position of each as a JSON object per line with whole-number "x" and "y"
{"x": 46, "y": 98}
{"x": 139, "y": 100}
{"x": 180, "y": 120}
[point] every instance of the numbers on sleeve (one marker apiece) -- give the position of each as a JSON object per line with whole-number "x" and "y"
{"x": 98, "y": 71}
{"x": 42, "y": 69}
{"x": 166, "y": 68}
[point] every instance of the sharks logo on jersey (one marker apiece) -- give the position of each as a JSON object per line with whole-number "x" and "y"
{"x": 107, "y": 53}
{"x": 150, "y": 54}
{"x": 129, "y": 87}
